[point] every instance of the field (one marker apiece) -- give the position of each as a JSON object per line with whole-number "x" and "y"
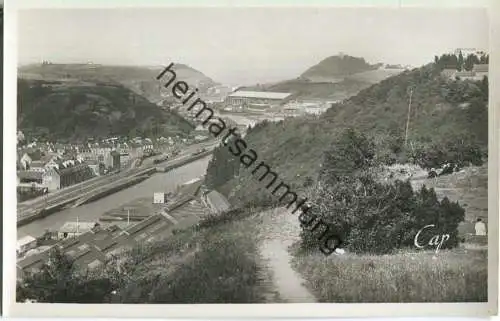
{"x": 469, "y": 187}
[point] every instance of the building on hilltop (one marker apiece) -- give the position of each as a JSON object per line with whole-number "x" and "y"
{"x": 480, "y": 70}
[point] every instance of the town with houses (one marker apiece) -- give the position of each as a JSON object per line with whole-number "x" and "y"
{"x": 96, "y": 200}
{"x": 44, "y": 168}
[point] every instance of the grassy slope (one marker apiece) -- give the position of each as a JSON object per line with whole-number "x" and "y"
{"x": 216, "y": 264}
{"x": 297, "y": 146}
{"x": 451, "y": 276}
{"x": 74, "y": 111}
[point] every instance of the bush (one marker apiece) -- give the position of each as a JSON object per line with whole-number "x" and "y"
{"x": 350, "y": 153}
{"x": 372, "y": 217}
{"x": 59, "y": 281}
{"x": 369, "y": 216}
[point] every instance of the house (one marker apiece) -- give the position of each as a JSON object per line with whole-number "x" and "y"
{"x": 464, "y": 75}
{"x": 217, "y": 202}
{"x": 112, "y": 160}
{"x": 96, "y": 167}
{"x": 75, "y": 229}
{"x": 51, "y": 179}
{"x": 35, "y": 154}
{"x": 315, "y": 110}
{"x": 74, "y": 174}
{"x": 159, "y": 198}
{"x": 38, "y": 166}
{"x": 25, "y": 244}
{"x": 31, "y": 264}
{"x": 86, "y": 153}
{"x": 24, "y": 161}
{"x": 89, "y": 250}
{"x": 30, "y": 177}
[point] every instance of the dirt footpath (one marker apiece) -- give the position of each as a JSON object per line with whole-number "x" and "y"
{"x": 280, "y": 229}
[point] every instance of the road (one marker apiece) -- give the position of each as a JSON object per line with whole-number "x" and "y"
{"x": 32, "y": 207}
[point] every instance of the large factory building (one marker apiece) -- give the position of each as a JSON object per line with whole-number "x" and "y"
{"x": 256, "y": 99}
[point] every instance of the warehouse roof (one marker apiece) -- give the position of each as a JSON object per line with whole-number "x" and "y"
{"x": 259, "y": 94}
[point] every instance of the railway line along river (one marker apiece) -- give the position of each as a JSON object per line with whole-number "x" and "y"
{"x": 160, "y": 182}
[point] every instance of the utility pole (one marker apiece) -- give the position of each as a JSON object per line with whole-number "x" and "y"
{"x": 408, "y": 119}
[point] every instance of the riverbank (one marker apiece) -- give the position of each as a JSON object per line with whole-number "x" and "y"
{"x": 111, "y": 188}
{"x": 107, "y": 190}
{"x": 159, "y": 182}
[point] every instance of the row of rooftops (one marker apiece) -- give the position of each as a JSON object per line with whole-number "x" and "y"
{"x": 61, "y": 170}
{"x": 82, "y": 148}
{"x": 96, "y": 246}
{"x": 99, "y": 244}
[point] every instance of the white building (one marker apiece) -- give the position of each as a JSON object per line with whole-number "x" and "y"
{"x": 74, "y": 229}
{"x": 25, "y": 244}
{"x": 159, "y": 198}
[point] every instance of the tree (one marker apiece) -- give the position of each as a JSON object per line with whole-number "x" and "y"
{"x": 59, "y": 281}
{"x": 460, "y": 61}
{"x": 222, "y": 167}
{"x": 351, "y": 153}
{"x": 470, "y": 61}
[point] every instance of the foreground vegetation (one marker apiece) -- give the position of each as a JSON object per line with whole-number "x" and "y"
{"x": 451, "y": 276}
{"x": 214, "y": 262}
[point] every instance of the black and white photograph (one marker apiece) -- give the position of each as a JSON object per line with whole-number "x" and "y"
{"x": 180, "y": 155}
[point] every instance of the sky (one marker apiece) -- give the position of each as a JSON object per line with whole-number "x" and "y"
{"x": 246, "y": 45}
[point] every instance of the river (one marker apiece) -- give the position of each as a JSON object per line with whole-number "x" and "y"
{"x": 160, "y": 182}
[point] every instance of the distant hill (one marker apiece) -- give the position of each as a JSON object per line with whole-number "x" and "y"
{"x": 441, "y": 109}
{"x": 333, "y": 78}
{"x": 141, "y": 80}
{"x": 76, "y": 110}
{"x": 337, "y": 67}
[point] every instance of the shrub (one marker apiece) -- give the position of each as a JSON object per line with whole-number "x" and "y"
{"x": 369, "y": 216}
{"x": 59, "y": 281}
{"x": 372, "y": 217}
{"x": 350, "y": 153}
